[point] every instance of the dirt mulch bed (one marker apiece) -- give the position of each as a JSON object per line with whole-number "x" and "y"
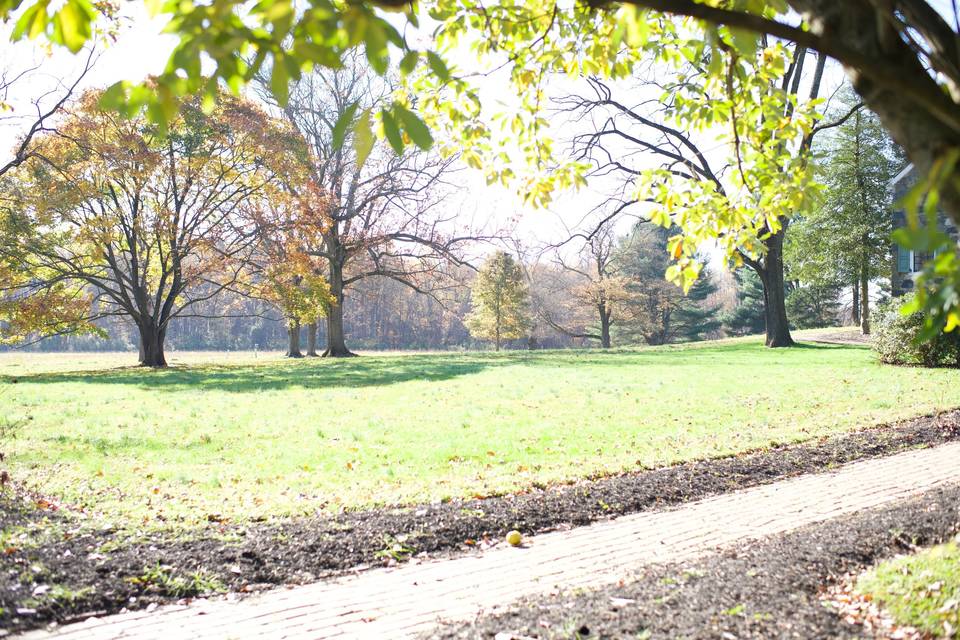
{"x": 766, "y": 589}
{"x": 849, "y": 336}
{"x": 53, "y": 570}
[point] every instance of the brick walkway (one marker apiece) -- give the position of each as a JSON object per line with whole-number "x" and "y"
{"x": 408, "y": 600}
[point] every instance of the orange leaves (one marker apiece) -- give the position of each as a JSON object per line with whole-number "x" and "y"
{"x": 291, "y": 274}
{"x": 132, "y": 208}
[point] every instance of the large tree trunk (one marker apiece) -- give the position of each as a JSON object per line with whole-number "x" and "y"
{"x": 293, "y": 339}
{"x": 864, "y": 300}
{"x": 604, "y": 326}
{"x": 151, "y": 346}
{"x": 336, "y": 343}
{"x": 312, "y": 340}
{"x": 774, "y": 292}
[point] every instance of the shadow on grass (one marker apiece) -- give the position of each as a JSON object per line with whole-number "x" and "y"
{"x": 312, "y": 374}
{"x": 374, "y": 371}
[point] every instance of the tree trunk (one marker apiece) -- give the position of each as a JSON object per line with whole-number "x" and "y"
{"x": 497, "y": 339}
{"x": 336, "y": 343}
{"x": 293, "y": 336}
{"x": 312, "y": 340}
{"x": 774, "y": 293}
{"x": 856, "y": 301}
{"x": 864, "y": 300}
{"x": 151, "y": 346}
{"x": 604, "y": 326}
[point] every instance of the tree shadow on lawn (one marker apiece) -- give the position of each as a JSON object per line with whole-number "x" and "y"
{"x": 375, "y": 371}
{"x": 304, "y": 374}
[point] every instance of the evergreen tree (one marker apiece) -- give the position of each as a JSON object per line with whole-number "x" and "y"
{"x": 847, "y": 238}
{"x": 815, "y": 305}
{"x": 657, "y": 311}
{"x": 500, "y": 301}
{"x": 651, "y": 300}
{"x": 694, "y": 319}
{"x": 747, "y": 317}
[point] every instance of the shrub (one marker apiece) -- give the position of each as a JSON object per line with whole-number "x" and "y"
{"x": 895, "y": 339}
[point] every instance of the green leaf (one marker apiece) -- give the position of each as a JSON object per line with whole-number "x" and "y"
{"x": 376, "y": 48}
{"x": 414, "y": 127}
{"x": 745, "y": 41}
{"x": 74, "y": 22}
{"x": 280, "y": 81}
{"x": 391, "y": 130}
{"x": 32, "y": 23}
{"x": 363, "y": 138}
{"x": 438, "y": 66}
{"x": 342, "y": 124}
{"x": 409, "y": 62}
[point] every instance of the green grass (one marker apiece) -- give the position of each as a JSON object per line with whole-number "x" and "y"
{"x": 264, "y": 436}
{"x": 922, "y": 590}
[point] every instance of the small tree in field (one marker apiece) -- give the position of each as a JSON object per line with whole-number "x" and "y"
{"x": 499, "y": 301}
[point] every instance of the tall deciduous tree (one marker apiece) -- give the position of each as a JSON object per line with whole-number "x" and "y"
{"x": 591, "y": 290}
{"x": 687, "y": 186}
{"x": 113, "y": 217}
{"x": 286, "y": 275}
{"x": 386, "y": 215}
{"x": 499, "y": 301}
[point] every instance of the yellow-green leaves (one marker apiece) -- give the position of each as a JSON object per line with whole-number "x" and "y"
{"x": 391, "y": 131}
{"x": 363, "y": 137}
{"x": 32, "y": 22}
{"x": 70, "y": 25}
{"x": 398, "y": 125}
{"x": 413, "y": 126}
{"x": 438, "y": 66}
{"x": 343, "y": 123}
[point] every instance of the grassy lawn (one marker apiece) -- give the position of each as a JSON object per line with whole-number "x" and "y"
{"x": 240, "y": 436}
{"x": 921, "y": 591}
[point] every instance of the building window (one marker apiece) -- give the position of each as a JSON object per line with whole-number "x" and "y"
{"x": 904, "y": 260}
{"x": 920, "y": 258}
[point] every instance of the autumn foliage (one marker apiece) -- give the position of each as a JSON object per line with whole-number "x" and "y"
{"x": 116, "y": 217}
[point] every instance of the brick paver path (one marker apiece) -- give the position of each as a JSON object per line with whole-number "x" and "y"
{"x": 408, "y": 600}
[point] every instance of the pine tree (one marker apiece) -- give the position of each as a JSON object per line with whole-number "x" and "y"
{"x": 815, "y": 305}
{"x": 500, "y": 301}
{"x": 694, "y": 319}
{"x": 847, "y": 238}
{"x": 747, "y": 317}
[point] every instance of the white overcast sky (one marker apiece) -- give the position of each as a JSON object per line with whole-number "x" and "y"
{"x": 142, "y": 50}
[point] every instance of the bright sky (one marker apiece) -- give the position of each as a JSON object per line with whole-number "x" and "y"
{"x": 142, "y": 50}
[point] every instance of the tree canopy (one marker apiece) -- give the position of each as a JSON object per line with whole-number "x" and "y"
{"x": 902, "y": 57}
{"x": 499, "y": 301}
{"x": 112, "y": 217}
